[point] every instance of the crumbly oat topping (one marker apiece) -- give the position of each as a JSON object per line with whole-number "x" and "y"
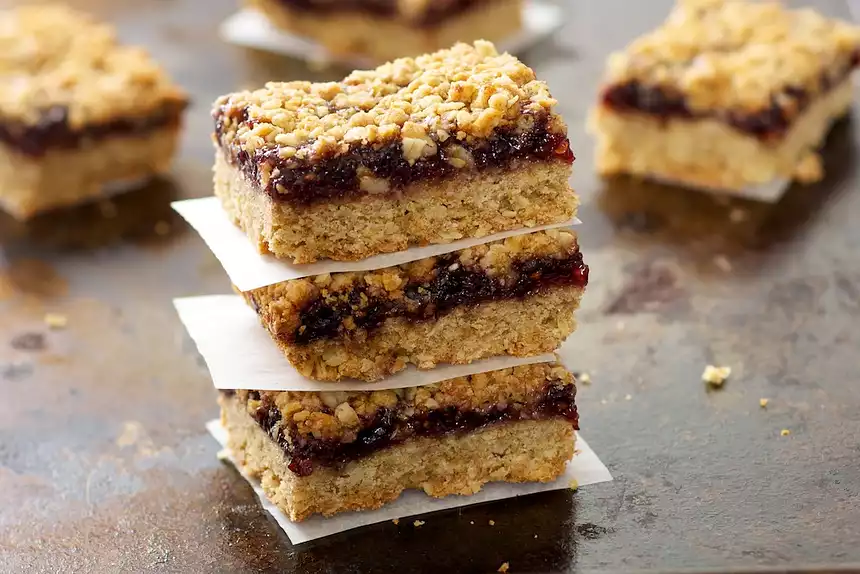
{"x": 738, "y": 54}
{"x": 339, "y": 414}
{"x": 462, "y": 94}
{"x": 285, "y": 300}
{"x": 56, "y": 60}
{"x": 716, "y": 376}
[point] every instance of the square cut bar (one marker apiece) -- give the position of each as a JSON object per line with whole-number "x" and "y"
{"x": 383, "y": 30}
{"x": 329, "y": 452}
{"x": 726, "y": 94}
{"x": 460, "y": 143}
{"x": 79, "y": 112}
{"x": 515, "y": 296}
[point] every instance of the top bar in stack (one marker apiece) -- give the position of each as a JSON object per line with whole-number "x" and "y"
{"x": 726, "y": 94}
{"x": 460, "y": 143}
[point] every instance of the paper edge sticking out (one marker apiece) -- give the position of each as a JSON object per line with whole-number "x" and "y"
{"x": 769, "y": 192}
{"x": 248, "y": 269}
{"x": 260, "y": 365}
{"x": 584, "y": 469}
{"x": 249, "y": 28}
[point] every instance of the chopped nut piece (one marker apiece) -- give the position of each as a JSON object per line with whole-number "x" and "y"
{"x": 716, "y": 376}
{"x": 395, "y": 521}
{"x": 762, "y": 403}
{"x": 56, "y": 321}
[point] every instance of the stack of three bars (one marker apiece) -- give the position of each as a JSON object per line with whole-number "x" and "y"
{"x": 456, "y": 145}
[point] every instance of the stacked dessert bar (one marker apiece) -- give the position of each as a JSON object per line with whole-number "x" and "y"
{"x": 462, "y": 143}
{"x": 387, "y": 29}
{"x": 80, "y": 114}
{"x": 726, "y": 94}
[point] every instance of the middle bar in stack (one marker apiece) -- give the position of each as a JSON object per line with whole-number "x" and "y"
{"x": 459, "y": 144}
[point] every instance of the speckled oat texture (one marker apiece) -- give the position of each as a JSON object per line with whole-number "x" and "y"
{"x": 534, "y": 324}
{"x": 737, "y": 54}
{"x": 51, "y": 55}
{"x": 340, "y": 414}
{"x": 432, "y": 108}
{"x": 521, "y": 451}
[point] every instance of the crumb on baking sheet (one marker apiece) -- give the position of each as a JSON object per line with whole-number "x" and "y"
{"x": 418, "y": 523}
{"x": 716, "y": 376}
{"x": 722, "y": 263}
{"x": 784, "y": 432}
{"x": 584, "y": 378}
{"x": 396, "y": 521}
{"x": 762, "y": 402}
{"x": 492, "y": 523}
{"x": 56, "y": 321}
{"x": 573, "y": 484}
{"x": 504, "y": 567}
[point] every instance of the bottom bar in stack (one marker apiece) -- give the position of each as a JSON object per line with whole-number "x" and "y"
{"x": 332, "y": 451}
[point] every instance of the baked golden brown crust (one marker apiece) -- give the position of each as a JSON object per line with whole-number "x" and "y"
{"x": 341, "y": 414}
{"x": 426, "y": 104}
{"x": 524, "y": 451}
{"x": 54, "y": 57}
{"x": 738, "y": 54}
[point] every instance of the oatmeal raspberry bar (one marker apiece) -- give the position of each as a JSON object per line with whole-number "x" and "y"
{"x": 726, "y": 94}
{"x": 386, "y": 29}
{"x": 460, "y": 143}
{"x": 515, "y": 297}
{"x": 329, "y": 452}
{"x": 78, "y": 112}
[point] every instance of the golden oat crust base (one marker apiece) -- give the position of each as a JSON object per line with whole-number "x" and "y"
{"x": 527, "y": 451}
{"x": 473, "y": 204}
{"x": 516, "y": 327}
{"x": 381, "y": 39}
{"x": 65, "y": 177}
{"x": 708, "y": 152}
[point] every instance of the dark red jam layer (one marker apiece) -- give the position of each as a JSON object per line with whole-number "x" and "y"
{"x": 390, "y": 426}
{"x": 53, "y": 131}
{"x": 306, "y": 182}
{"x": 451, "y": 287}
{"x": 767, "y": 124}
{"x": 436, "y": 12}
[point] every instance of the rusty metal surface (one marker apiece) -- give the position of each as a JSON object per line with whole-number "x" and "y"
{"x": 105, "y": 466}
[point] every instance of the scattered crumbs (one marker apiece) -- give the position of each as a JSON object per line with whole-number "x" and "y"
{"x": 784, "y": 432}
{"x": 722, "y": 263}
{"x": 56, "y": 321}
{"x": 573, "y": 485}
{"x": 737, "y": 215}
{"x": 584, "y": 378}
{"x": 763, "y": 403}
{"x": 162, "y": 228}
{"x": 504, "y": 567}
{"x": 492, "y": 523}
{"x": 29, "y": 342}
{"x": 108, "y": 209}
{"x": 628, "y": 397}
{"x": 418, "y": 523}
{"x": 396, "y": 521}
{"x": 716, "y": 376}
